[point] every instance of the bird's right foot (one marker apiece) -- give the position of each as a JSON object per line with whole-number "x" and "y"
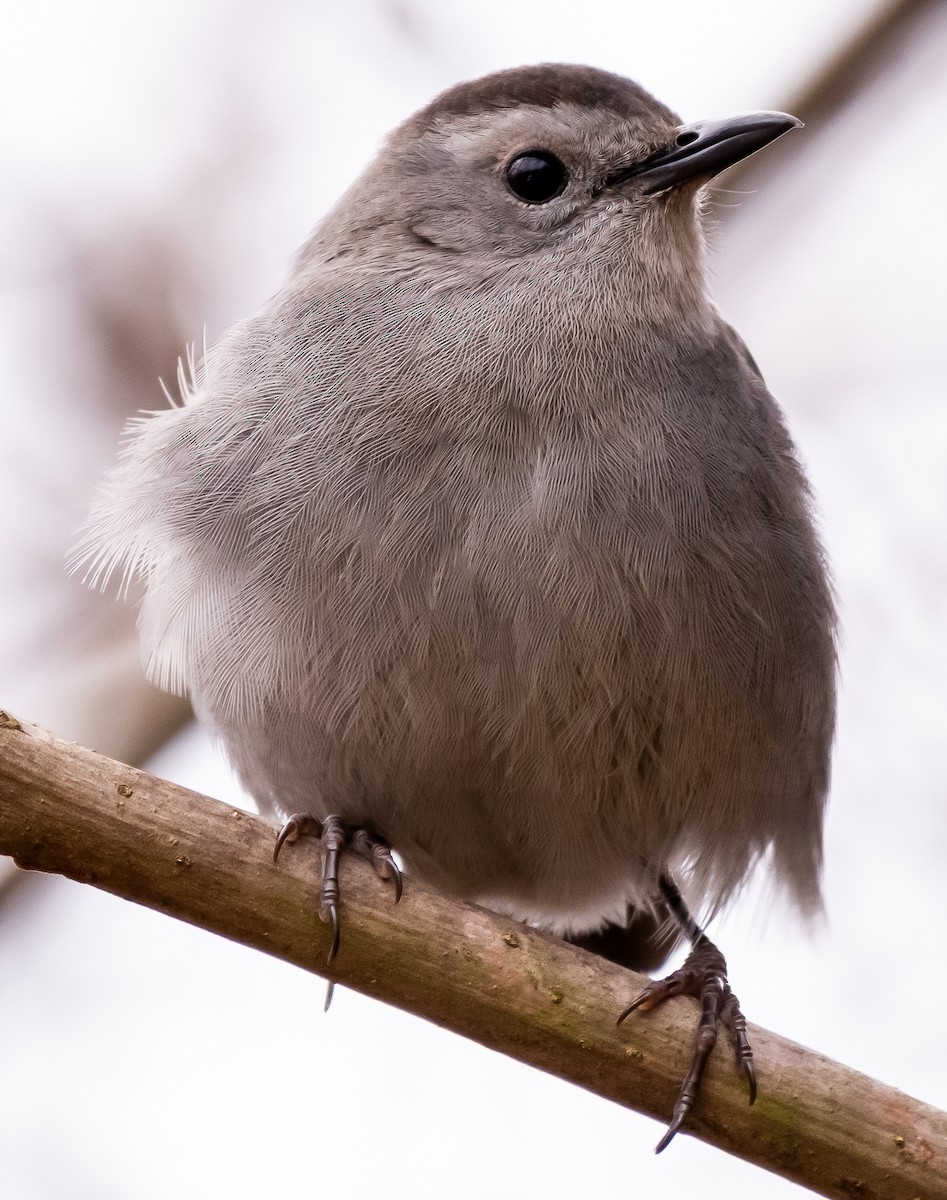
{"x": 704, "y": 976}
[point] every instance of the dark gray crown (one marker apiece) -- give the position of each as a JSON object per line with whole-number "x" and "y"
{"x": 543, "y": 86}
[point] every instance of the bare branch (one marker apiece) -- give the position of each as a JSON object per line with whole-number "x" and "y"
{"x": 69, "y": 810}
{"x": 864, "y": 58}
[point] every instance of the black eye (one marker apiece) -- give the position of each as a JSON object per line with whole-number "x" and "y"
{"x": 536, "y": 176}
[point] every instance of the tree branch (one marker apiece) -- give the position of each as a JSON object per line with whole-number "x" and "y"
{"x": 849, "y": 70}
{"x": 69, "y": 810}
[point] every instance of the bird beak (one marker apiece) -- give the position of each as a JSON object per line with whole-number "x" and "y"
{"x": 705, "y": 148}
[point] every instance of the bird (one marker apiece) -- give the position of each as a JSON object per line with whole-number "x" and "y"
{"x": 482, "y": 546}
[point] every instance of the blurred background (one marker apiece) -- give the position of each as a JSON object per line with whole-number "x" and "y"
{"x": 163, "y": 161}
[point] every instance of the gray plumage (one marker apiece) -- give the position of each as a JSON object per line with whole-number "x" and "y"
{"x": 485, "y": 532}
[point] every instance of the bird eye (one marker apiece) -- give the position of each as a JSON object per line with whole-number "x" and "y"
{"x": 536, "y": 176}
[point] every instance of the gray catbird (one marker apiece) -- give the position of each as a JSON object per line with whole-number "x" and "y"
{"x": 484, "y": 540}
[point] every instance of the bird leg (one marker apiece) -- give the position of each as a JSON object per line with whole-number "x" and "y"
{"x": 704, "y": 976}
{"x": 337, "y": 837}
{"x": 640, "y": 941}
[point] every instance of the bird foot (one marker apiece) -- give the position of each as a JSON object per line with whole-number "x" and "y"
{"x": 337, "y": 837}
{"x": 704, "y": 976}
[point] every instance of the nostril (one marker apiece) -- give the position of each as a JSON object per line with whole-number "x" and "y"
{"x": 685, "y": 138}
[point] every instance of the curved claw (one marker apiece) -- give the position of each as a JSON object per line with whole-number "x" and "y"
{"x": 281, "y": 838}
{"x": 396, "y": 876}
{"x": 671, "y": 1130}
{"x": 331, "y": 912}
{"x": 636, "y": 1004}
{"x": 651, "y": 997}
{"x": 750, "y": 1072}
{"x": 299, "y": 825}
{"x": 330, "y": 992}
{"x": 377, "y": 851}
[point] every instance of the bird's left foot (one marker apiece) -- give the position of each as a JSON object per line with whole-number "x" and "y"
{"x": 336, "y": 837}
{"x": 704, "y": 976}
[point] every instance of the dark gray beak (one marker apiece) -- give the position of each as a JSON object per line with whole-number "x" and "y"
{"x": 702, "y": 150}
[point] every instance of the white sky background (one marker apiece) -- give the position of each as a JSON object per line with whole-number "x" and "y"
{"x": 144, "y": 1059}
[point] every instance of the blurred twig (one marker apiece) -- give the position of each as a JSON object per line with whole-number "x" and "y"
{"x": 855, "y": 65}
{"x": 68, "y": 810}
{"x": 838, "y": 81}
